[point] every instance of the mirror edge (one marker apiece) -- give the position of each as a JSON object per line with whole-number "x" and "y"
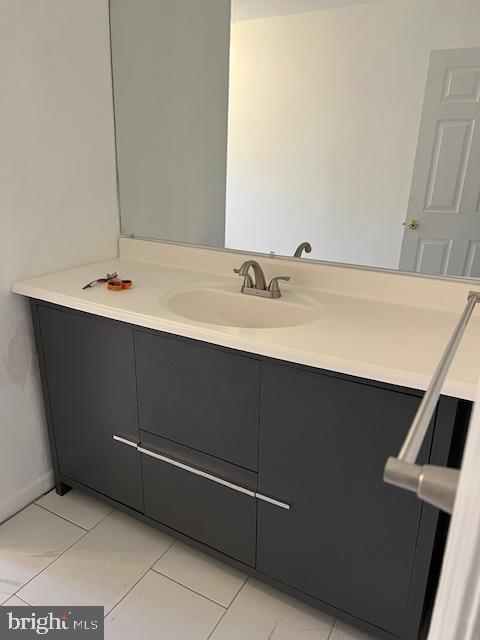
{"x": 341, "y": 265}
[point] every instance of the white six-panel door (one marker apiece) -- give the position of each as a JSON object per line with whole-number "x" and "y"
{"x": 444, "y": 203}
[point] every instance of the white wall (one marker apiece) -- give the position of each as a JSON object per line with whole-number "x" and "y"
{"x": 57, "y": 197}
{"x": 323, "y": 124}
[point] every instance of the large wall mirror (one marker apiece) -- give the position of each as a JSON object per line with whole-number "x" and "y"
{"x": 259, "y": 125}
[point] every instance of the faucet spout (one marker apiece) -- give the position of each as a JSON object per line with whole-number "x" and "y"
{"x": 260, "y": 282}
{"x": 305, "y": 246}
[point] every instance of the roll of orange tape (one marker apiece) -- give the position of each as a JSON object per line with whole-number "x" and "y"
{"x": 114, "y": 285}
{"x": 126, "y": 284}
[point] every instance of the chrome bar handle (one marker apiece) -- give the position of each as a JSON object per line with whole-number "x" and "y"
{"x": 433, "y": 484}
{"x": 209, "y": 476}
{"x": 130, "y": 443}
{"x": 195, "y": 471}
{"x": 276, "y": 503}
{"x": 200, "y": 472}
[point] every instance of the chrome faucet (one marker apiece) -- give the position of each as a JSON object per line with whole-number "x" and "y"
{"x": 305, "y": 246}
{"x": 258, "y": 287}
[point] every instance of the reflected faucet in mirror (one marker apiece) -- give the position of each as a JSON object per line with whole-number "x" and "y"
{"x": 305, "y": 246}
{"x": 258, "y": 287}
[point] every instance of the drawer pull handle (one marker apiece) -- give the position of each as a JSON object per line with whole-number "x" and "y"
{"x": 203, "y": 474}
{"x": 277, "y": 503}
{"x": 197, "y": 472}
{"x": 130, "y": 443}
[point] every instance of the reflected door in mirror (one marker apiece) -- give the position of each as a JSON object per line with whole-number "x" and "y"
{"x": 444, "y": 205}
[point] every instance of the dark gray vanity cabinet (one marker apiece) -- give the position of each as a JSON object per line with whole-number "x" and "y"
{"x": 348, "y": 538}
{"x": 275, "y": 468}
{"x": 89, "y": 380}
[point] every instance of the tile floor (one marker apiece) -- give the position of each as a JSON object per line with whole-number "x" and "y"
{"x": 75, "y": 550}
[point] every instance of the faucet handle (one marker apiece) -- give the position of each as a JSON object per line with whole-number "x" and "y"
{"x": 248, "y": 282}
{"x": 273, "y": 286}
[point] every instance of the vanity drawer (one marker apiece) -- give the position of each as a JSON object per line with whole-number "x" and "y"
{"x": 206, "y": 499}
{"x": 199, "y": 396}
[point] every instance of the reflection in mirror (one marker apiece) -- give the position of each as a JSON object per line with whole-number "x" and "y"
{"x": 353, "y": 128}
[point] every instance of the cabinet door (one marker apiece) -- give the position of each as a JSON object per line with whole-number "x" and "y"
{"x": 91, "y": 384}
{"x": 348, "y": 539}
{"x": 201, "y": 397}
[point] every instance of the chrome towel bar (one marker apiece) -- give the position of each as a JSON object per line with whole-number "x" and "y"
{"x": 435, "y": 485}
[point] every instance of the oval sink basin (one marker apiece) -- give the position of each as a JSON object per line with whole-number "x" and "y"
{"x": 234, "y": 309}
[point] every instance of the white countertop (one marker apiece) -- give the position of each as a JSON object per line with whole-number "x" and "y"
{"x": 378, "y": 339}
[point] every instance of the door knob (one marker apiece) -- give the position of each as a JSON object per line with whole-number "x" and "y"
{"x": 413, "y": 224}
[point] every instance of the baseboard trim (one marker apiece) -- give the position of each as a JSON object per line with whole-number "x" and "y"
{"x": 26, "y": 495}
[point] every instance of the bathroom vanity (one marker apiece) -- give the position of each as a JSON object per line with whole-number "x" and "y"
{"x": 270, "y": 464}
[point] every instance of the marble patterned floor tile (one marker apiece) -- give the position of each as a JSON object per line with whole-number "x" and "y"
{"x": 102, "y": 567}
{"x": 75, "y": 506}
{"x": 14, "y": 601}
{"x": 29, "y": 542}
{"x": 201, "y": 573}
{"x": 262, "y": 613}
{"x": 159, "y": 609}
{"x": 343, "y": 631}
